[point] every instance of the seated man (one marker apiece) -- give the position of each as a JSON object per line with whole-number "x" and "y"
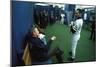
{"x": 39, "y": 49}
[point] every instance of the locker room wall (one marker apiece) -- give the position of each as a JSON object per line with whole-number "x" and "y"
{"x": 22, "y": 19}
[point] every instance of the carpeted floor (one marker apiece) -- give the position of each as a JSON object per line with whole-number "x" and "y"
{"x": 86, "y": 49}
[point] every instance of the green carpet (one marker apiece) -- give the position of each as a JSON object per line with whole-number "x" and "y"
{"x": 86, "y": 49}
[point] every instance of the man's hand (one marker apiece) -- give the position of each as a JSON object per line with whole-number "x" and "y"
{"x": 53, "y": 38}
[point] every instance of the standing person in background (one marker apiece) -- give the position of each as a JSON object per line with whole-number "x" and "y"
{"x": 46, "y": 17}
{"x": 62, "y": 18}
{"x": 85, "y": 17}
{"x": 52, "y": 17}
{"x": 43, "y": 19}
{"x": 75, "y": 27}
{"x": 93, "y": 29}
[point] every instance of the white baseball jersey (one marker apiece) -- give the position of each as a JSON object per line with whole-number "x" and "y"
{"x": 77, "y": 25}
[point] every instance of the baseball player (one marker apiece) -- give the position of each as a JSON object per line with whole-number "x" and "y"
{"x": 75, "y": 28}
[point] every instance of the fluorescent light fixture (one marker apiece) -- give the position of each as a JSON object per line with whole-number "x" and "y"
{"x": 88, "y": 2}
{"x": 42, "y": 4}
{"x": 86, "y": 6}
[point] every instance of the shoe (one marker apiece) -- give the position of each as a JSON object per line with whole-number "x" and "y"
{"x": 71, "y": 59}
{"x": 70, "y": 53}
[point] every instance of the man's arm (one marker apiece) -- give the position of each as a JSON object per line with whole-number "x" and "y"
{"x": 50, "y": 42}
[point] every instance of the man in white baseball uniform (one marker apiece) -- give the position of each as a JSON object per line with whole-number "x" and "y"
{"x": 75, "y": 27}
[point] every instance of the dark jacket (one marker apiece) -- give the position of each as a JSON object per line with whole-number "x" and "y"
{"x": 38, "y": 50}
